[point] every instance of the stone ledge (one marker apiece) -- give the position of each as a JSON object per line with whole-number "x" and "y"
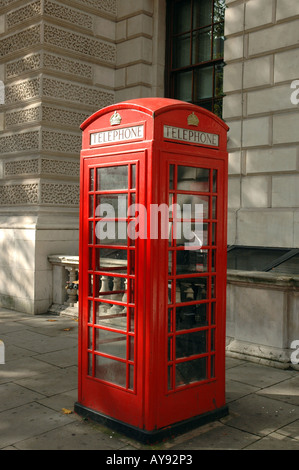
{"x": 273, "y": 280}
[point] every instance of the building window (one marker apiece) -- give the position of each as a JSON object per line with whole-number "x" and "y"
{"x": 195, "y": 44}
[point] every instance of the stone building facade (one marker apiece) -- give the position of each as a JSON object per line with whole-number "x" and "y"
{"x": 61, "y": 60}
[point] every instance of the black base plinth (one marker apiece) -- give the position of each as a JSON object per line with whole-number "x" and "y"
{"x": 151, "y": 437}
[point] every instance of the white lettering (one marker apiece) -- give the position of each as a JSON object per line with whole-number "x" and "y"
{"x": 191, "y": 136}
{"x": 294, "y": 95}
{"x": 119, "y": 135}
{"x": 295, "y": 354}
{"x": 2, "y": 352}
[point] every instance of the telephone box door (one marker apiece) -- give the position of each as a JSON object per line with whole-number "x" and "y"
{"x": 193, "y": 374}
{"x": 111, "y": 362}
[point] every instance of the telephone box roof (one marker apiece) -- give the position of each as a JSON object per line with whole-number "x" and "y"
{"x": 153, "y": 107}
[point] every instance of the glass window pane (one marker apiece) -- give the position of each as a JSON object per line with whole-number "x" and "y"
{"x": 182, "y": 17}
{"x": 110, "y": 370}
{"x": 191, "y": 371}
{"x": 181, "y": 51}
{"x": 112, "y": 206}
{"x": 111, "y": 260}
{"x": 91, "y": 208}
{"x": 193, "y": 179}
{"x": 203, "y": 83}
{"x": 112, "y": 178}
{"x": 183, "y": 86}
{"x": 112, "y": 288}
{"x": 109, "y": 232}
{"x": 202, "y": 13}
{"x": 201, "y": 45}
{"x": 218, "y": 81}
{"x": 192, "y": 261}
{"x": 133, "y": 176}
{"x": 116, "y": 321}
{"x": 218, "y": 41}
{"x": 109, "y": 342}
{"x": 192, "y": 203}
{"x": 90, "y": 241}
{"x": 91, "y": 180}
{"x": 191, "y": 316}
{"x": 190, "y": 344}
{"x": 191, "y": 289}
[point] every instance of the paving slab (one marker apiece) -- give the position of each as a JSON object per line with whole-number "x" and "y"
{"x": 275, "y": 442}
{"x": 74, "y": 436}
{"x": 27, "y": 421}
{"x": 216, "y": 436}
{"x": 287, "y": 391}
{"x": 261, "y": 415}
{"x": 37, "y": 342}
{"x": 24, "y": 368}
{"x": 257, "y": 375}
{"x": 58, "y": 381}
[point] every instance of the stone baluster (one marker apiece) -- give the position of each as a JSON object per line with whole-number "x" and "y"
{"x": 104, "y": 288}
{"x": 118, "y": 297}
{"x": 72, "y": 289}
{"x": 125, "y": 296}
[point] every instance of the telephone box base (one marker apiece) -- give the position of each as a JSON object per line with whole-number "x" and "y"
{"x": 155, "y": 436}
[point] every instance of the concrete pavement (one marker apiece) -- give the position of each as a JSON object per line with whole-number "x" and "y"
{"x": 38, "y": 389}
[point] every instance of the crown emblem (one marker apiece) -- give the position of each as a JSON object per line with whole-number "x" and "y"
{"x": 193, "y": 120}
{"x": 115, "y": 119}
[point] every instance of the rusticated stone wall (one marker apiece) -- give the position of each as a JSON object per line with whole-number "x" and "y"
{"x": 262, "y": 62}
{"x": 57, "y": 62}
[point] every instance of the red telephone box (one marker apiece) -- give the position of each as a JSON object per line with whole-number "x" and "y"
{"x": 152, "y": 275}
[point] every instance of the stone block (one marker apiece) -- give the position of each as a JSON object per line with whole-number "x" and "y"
{"x": 232, "y": 105}
{"x": 232, "y": 77}
{"x": 234, "y": 19}
{"x": 104, "y": 28}
{"x": 234, "y": 163}
{"x": 256, "y": 132}
{"x": 296, "y": 230}
{"x": 140, "y": 25}
{"x": 294, "y": 317}
{"x": 255, "y": 191}
{"x": 268, "y": 100}
{"x": 264, "y": 326}
{"x": 234, "y": 135}
{"x": 271, "y": 160}
{"x": 126, "y": 9}
{"x": 131, "y": 93}
{"x": 121, "y": 30}
{"x": 120, "y": 78}
{"x": 134, "y": 50}
{"x": 265, "y": 227}
{"x": 257, "y": 72}
{"x": 104, "y": 76}
{"x": 258, "y": 13}
{"x": 234, "y": 193}
{"x": 273, "y": 38}
{"x": 233, "y": 48}
{"x": 286, "y": 65}
{"x": 139, "y": 74}
{"x": 286, "y": 9}
{"x": 285, "y": 128}
{"x": 231, "y": 227}
{"x": 285, "y": 191}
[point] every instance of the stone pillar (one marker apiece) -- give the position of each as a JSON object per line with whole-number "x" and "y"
{"x": 57, "y": 62}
